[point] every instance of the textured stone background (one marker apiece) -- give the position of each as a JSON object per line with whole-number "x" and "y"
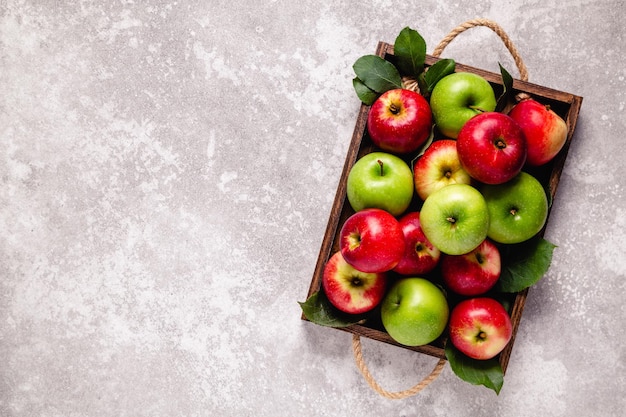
{"x": 167, "y": 170}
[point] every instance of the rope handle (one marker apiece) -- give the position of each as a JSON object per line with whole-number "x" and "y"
{"x": 356, "y": 340}
{"x": 521, "y": 67}
{"x": 358, "y": 357}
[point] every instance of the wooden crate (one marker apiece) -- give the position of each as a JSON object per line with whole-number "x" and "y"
{"x": 564, "y": 104}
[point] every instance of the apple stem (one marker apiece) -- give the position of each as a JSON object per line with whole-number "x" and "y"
{"x": 382, "y": 167}
{"x": 451, "y": 220}
{"x": 394, "y": 109}
{"x": 478, "y": 109}
{"x": 500, "y": 144}
{"x": 480, "y": 258}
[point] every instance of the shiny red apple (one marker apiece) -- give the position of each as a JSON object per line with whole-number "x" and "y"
{"x": 545, "y": 131}
{"x": 420, "y": 256}
{"x": 473, "y": 273}
{"x": 399, "y": 121}
{"x": 492, "y": 148}
{"x": 480, "y": 327}
{"x": 371, "y": 240}
{"x": 350, "y": 290}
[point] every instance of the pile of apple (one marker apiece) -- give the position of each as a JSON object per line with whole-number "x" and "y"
{"x": 473, "y": 196}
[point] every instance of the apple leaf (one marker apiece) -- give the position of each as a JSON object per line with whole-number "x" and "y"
{"x": 377, "y": 74}
{"x": 507, "y": 83}
{"x": 365, "y": 94}
{"x": 524, "y": 264}
{"x": 477, "y": 372}
{"x": 437, "y": 71}
{"x": 410, "y": 52}
{"x": 319, "y": 310}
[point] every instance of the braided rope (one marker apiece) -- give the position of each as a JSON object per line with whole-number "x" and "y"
{"x": 358, "y": 357}
{"x": 523, "y": 71}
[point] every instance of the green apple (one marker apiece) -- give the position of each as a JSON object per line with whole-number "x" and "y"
{"x": 455, "y": 219}
{"x": 518, "y": 209}
{"x": 414, "y": 312}
{"x": 457, "y": 98}
{"x": 380, "y": 180}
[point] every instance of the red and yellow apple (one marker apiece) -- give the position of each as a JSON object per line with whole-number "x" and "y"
{"x": 480, "y": 327}
{"x": 399, "y": 121}
{"x": 350, "y": 290}
{"x": 545, "y": 131}
{"x": 420, "y": 256}
{"x": 438, "y": 166}
{"x": 492, "y": 148}
{"x": 473, "y": 273}
{"x": 371, "y": 240}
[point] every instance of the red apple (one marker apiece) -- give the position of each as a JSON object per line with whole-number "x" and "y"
{"x": 371, "y": 240}
{"x": 420, "y": 256}
{"x": 399, "y": 121}
{"x": 545, "y": 131}
{"x": 473, "y": 273}
{"x": 480, "y": 327}
{"x": 350, "y": 290}
{"x": 437, "y": 167}
{"x": 492, "y": 148}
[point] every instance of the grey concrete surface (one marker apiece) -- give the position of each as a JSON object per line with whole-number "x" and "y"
{"x": 167, "y": 170}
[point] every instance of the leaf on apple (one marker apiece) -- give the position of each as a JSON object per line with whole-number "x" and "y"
{"x": 477, "y": 372}
{"x": 507, "y": 83}
{"x": 319, "y": 310}
{"x": 410, "y": 52}
{"x": 437, "y": 71}
{"x": 524, "y": 264}
{"x": 377, "y": 74}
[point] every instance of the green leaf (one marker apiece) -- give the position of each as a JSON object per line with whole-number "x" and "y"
{"x": 524, "y": 264}
{"x": 477, "y": 372}
{"x": 377, "y": 74}
{"x": 507, "y": 82}
{"x": 437, "y": 71}
{"x": 319, "y": 310}
{"x": 365, "y": 94}
{"x": 410, "y": 52}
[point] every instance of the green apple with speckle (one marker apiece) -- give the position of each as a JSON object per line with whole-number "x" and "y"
{"x": 380, "y": 180}
{"x": 457, "y": 98}
{"x": 518, "y": 209}
{"x": 455, "y": 219}
{"x": 415, "y": 311}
